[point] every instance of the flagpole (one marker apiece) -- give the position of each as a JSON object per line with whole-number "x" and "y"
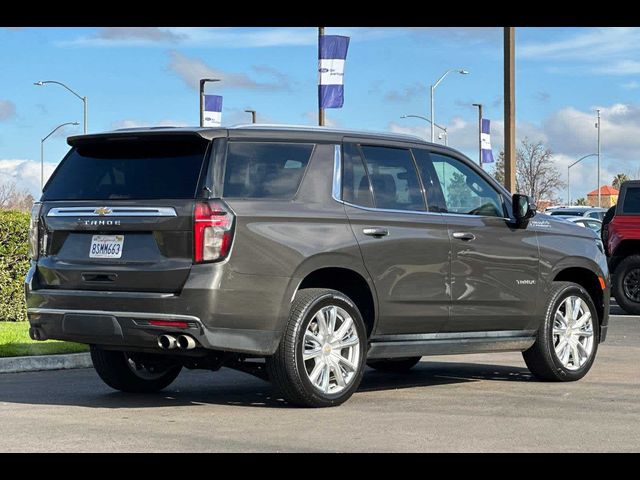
{"x": 479, "y": 105}
{"x": 320, "y": 109}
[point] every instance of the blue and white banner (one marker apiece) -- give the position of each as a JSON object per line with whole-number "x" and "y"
{"x": 485, "y": 141}
{"x": 332, "y": 54}
{"x": 212, "y": 110}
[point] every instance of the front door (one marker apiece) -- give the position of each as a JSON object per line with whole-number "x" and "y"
{"x": 405, "y": 247}
{"x": 494, "y": 266}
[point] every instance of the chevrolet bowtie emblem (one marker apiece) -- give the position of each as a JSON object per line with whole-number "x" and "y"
{"x": 102, "y": 211}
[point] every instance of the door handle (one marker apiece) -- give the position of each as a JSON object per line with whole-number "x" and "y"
{"x": 375, "y": 231}
{"x": 464, "y": 236}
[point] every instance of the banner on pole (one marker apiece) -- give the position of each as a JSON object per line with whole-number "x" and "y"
{"x": 212, "y": 110}
{"x": 485, "y": 141}
{"x": 332, "y": 53}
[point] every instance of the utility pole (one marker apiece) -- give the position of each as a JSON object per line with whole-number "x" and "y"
{"x": 479, "y": 105}
{"x": 509, "y": 109}
{"x": 320, "y": 109}
{"x": 598, "y": 125}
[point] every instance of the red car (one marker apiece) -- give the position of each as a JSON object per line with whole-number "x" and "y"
{"x": 622, "y": 241}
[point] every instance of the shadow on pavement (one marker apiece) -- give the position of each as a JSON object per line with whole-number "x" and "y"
{"x": 83, "y": 388}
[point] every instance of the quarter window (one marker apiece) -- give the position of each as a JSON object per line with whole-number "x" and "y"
{"x": 355, "y": 182}
{"x": 631, "y": 201}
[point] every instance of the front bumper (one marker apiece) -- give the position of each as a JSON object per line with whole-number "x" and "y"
{"x": 245, "y": 317}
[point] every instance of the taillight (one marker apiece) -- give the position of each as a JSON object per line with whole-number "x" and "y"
{"x": 212, "y": 231}
{"x": 34, "y": 240}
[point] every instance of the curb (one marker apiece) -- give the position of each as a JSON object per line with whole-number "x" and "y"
{"x": 45, "y": 362}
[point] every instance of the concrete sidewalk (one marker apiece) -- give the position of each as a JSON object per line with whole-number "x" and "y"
{"x": 45, "y": 362}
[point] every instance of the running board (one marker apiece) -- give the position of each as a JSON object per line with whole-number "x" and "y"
{"x": 390, "y": 346}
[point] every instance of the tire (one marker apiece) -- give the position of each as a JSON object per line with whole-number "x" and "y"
{"x": 114, "y": 369}
{"x": 621, "y": 274}
{"x": 394, "y": 365}
{"x": 542, "y": 359}
{"x": 294, "y": 376}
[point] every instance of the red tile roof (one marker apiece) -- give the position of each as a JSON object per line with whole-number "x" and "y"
{"x": 604, "y": 190}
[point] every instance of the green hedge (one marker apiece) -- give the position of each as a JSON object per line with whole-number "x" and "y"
{"x": 14, "y": 264}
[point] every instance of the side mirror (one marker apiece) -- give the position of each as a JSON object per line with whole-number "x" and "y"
{"x": 523, "y": 209}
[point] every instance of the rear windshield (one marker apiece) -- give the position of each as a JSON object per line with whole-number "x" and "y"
{"x": 631, "y": 201}
{"x": 129, "y": 170}
{"x": 265, "y": 170}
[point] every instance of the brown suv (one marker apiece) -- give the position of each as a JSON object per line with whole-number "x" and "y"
{"x": 301, "y": 255}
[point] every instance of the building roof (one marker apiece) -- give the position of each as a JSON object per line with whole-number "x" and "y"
{"x": 604, "y": 190}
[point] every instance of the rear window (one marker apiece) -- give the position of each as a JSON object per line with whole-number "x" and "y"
{"x": 265, "y": 170}
{"x": 129, "y": 170}
{"x": 631, "y": 201}
{"x": 568, "y": 213}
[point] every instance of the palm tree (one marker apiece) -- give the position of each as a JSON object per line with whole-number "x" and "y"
{"x": 581, "y": 201}
{"x": 619, "y": 179}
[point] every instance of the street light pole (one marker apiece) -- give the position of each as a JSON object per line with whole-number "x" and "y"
{"x": 42, "y": 150}
{"x": 202, "y": 83}
{"x": 479, "y": 105}
{"x": 598, "y": 125}
{"x": 444, "y": 129}
{"x": 85, "y": 100}
{"x": 569, "y": 177}
{"x": 253, "y": 115}
{"x": 461, "y": 71}
{"x": 320, "y": 109}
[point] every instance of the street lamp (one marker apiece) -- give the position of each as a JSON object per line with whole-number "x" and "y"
{"x": 433, "y": 88}
{"x": 84, "y": 99}
{"x": 444, "y": 129}
{"x": 479, "y": 105}
{"x": 598, "y": 127}
{"x": 42, "y": 150}
{"x": 253, "y": 115}
{"x": 569, "y": 178}
{"x": 202, "y": 82}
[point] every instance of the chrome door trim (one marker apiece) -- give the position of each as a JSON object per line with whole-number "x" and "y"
{"x": 112, "y": 212}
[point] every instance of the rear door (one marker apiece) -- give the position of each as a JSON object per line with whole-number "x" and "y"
{"x": 404, "y": 245}
{"x": 118, "y": 215}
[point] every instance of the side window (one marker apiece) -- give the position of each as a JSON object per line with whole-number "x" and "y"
{"x": 631, "y": 201}
{"x": 464, "y": 190}
{"x": 393, "y": 177}
{"x": 435, "y": 198}
{"x": 355, "y": 182}
{"x": 264, "y": 170}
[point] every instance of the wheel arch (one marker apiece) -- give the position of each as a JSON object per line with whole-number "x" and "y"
{"x": 589, "y": 280}
{"x": 624, "y": 249}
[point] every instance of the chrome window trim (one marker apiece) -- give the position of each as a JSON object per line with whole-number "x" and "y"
{"x": 336, "y": 188}
{"x": 115, "y": 212}
{"x": 336, "y": 194}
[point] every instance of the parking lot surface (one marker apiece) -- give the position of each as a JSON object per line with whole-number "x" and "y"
{"x": 484, "y": 403}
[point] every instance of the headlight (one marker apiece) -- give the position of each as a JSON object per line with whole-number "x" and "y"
{"x": 34, "y": 223}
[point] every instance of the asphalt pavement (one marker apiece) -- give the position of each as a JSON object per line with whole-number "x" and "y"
{"x": 485, "y": 403}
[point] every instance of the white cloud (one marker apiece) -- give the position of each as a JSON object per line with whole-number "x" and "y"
{"x": 407, "y": 93}
{"x": 191, "y": 70}
{"x": 631, "y": 85}
{"x": 592, "y": 44}
{"x": 25, "y": 173}
{"x": 130, "y": 123}
{"x": 7, "y": 110}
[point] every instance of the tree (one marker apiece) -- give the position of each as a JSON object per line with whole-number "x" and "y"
{"x": 12, "y": 198}
{"x": 536, "y": 172}
{"x": 581, "y": 201}
{"x": 619, "y": 179}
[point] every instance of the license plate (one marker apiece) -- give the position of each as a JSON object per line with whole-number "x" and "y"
{"x": 106, "y": 246}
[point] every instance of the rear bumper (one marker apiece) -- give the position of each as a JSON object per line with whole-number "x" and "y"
{"x": 246, "y": 316}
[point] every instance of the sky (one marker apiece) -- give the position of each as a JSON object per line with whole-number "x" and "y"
{"x": 147, "y": 76}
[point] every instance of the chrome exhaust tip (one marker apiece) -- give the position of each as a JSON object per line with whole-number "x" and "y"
{"x": 167, "y": 342}
{"x": 185, "y": 342}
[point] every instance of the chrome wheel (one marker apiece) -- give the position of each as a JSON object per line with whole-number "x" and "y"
{"x": 331, "y": 350}
{"x": 573, "y": 333}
